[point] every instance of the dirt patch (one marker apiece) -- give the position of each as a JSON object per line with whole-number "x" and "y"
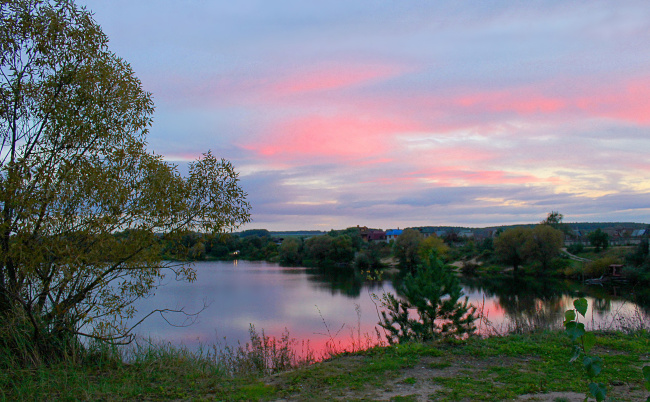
{"x": 416, "y": 382}
{"x": 554, "y": 397}
{"x": 391, "y": 263}
{"x": 461, "y": 263}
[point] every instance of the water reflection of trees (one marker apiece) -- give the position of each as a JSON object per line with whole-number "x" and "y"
{"x": 537, "y": 301}
{"x": 347, "y": 282}
{"x": 604, "y": 296}
{"x": 640, "y": 295}
{"x": 541, "y": 301}
{"x": 525, "y": 301}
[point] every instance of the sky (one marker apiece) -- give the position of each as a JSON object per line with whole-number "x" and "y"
{"x": 392, "y": 114}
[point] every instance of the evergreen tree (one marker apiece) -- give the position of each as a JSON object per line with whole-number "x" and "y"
{"x": 434, "y": 292}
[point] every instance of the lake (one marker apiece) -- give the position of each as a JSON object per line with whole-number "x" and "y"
{"x": 320, "y": 307}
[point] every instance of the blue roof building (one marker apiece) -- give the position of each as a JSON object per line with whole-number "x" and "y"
{"x": 392, "y": 234}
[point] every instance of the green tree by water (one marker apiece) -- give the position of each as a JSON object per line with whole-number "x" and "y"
{"x": 342, "y": 249}
{"x": 599, "y": 239}
{"x": 434, "y": 292}
{"x": 74, "y": 171}
{"x": 406, "y": 249}
{"x": 554, "y": 219}
{"x": 543, "y": 244}
{"x": 510, "y": 246}
{"x": 317, "y": 250}
{"x": 328, "y": 251}
{"x": 432, "y": 244}
{"x": 290, "y": 251}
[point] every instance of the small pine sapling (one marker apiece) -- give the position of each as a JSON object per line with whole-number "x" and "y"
{"x": 430, "y": 307}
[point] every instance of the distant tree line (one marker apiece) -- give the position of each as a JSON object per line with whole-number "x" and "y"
{"x": 255, "y": 244}
{"x": 525, "y": 250}
{"x": 338, "y": 248}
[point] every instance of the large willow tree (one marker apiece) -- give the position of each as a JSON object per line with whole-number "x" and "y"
{"x": 83, "y": 204}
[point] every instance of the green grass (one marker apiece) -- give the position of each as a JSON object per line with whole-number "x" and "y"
{"x": 497, "y": 368}
{"x": 616, "y": 252}
{"x": 157, "y": 373}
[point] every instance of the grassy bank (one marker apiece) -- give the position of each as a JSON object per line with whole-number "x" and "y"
{"x": 496, "y": 368}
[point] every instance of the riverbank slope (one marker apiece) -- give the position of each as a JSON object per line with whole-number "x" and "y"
{"x": 520, "y": 367}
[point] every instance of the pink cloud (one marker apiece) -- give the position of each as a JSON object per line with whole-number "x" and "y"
{"x": 333, "y": 77}
{"x": 451, "y": 176}
{"x": 482, "y": 113}
{"x": 374, "y": 161}
{"x": 270, "y": 88}
{"x": 386, "y": 181}
{"x": 336, "y": 136}
{"x": 641, "y": 166}
{"x": 469, "y": 154}
{"x": 625, "y": 100}
{"x": 454, "y": 176}
{"x": 629, "y": 101}
{"x": 523, "y": 103}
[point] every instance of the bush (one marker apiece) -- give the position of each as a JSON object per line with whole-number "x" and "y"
{"x": 598, "y": 267}
{"x": 488, "y": 256}
{"x": 493, "y": 269}
{"x": 469, "y": 268}
{"x": 639, "y": 255}
{"x": 576, "y": 248}
{"x": 560, "y": 264}
{"x": 573, "y": 270}
{"x": 19, "y": 349}
{"x": 637, "y": 274}
{"x": 362, "y": 261}
{"x": 264, "y": 355}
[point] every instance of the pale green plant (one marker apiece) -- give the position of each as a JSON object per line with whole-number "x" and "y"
{"x": 263, "y": 355}
{"x": 646, "y": 377}
{"x": 583, "y": 343}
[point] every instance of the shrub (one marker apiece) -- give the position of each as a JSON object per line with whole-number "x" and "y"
{"x": 366, "y": 260}
{"x": 639, "y": 255}
{"x": 560, "y": 264}
{"x": 264, "y": 355}
{"x": 598, "y": 267}
{"x": 362, "y": 262}
{"x": 636, "y": 274}
{"x": 469, "y": 268}
{"x": 576, "y": 248}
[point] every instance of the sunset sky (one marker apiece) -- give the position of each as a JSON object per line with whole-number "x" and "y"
{"x": 402, "y": 113}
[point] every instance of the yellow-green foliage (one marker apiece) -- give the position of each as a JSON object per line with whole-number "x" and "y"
{"x": 435, "y": 244}
{"x": 573, "y": 269}
{"x": 598, "y": 267}
{"x": 85, "y": 203}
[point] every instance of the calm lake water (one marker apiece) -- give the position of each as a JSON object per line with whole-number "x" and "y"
{"x": 318, "y": 307}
